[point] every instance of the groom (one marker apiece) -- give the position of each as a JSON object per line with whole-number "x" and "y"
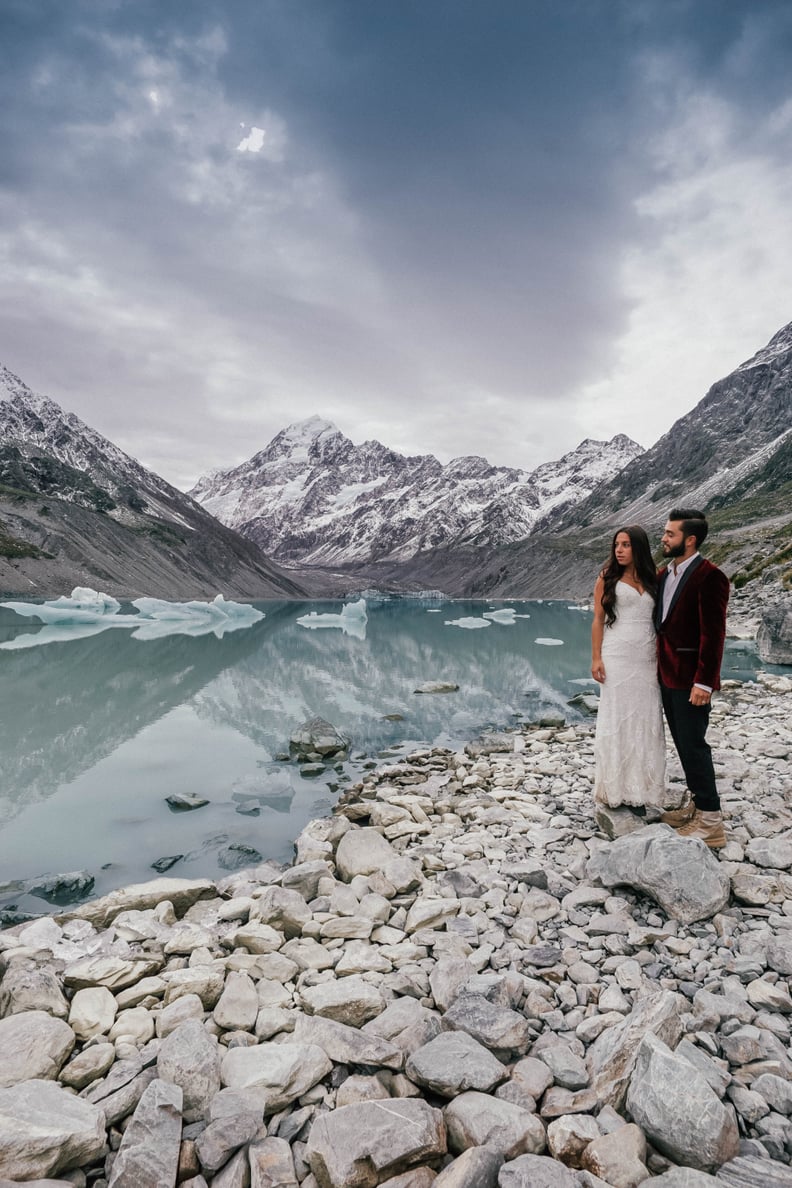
{"x": 690, "y": 617}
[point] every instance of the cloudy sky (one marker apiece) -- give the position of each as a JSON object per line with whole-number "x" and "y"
{"x": 456, "y": 226}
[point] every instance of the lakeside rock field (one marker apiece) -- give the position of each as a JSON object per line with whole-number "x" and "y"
{"x": 463, "y": 980}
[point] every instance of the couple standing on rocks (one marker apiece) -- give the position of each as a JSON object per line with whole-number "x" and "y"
{"x": 657, "y": 643}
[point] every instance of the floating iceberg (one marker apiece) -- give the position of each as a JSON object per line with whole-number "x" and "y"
{"x": 84, "y": 606}
{"x": 191, "y": 618}
{"x": 351, "y": 620}
{"x": 469, "y": 621}
{"x": 549, "y": 643}
{"x": 506, "y": 615}
{"x": 88, "y": 612}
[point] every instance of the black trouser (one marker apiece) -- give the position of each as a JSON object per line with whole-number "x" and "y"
{"x": 688, "y": 725}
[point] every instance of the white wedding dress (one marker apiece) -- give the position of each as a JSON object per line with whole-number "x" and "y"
{"x": 629, "y": 746}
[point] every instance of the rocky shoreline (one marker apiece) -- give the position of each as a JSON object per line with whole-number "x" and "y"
{"x": 463, "y": 980}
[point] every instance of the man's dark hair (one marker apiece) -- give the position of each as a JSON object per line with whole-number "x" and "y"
{"x": 694, "y": 523}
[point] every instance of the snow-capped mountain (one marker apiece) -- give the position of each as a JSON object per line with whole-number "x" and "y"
{"x": 312, "y": 497}
{"x": 77, "y": 510}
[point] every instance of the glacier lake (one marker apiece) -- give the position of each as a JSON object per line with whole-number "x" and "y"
{"x": 96, "y": 732}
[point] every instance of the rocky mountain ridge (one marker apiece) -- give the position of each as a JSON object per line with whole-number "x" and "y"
{"x": 312, "y": 497}
{"x": 77, "y": 510}
{"x": 736, "y": 440}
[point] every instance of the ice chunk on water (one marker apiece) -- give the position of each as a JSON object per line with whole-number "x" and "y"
{"x": 549, "y": 643}
{"x": 162, "y": 618}
{"x": 352, "y": 619}
{"x": 88, "y": 612}
{"x": 84, "y": 606}
{"x": 506, "y": 615}
{"x": 468, "y": 621}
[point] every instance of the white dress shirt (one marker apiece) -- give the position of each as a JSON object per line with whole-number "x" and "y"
{"x": 673, "y": 576}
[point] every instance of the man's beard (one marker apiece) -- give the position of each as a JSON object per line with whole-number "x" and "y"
{"x": 673, "y": 550}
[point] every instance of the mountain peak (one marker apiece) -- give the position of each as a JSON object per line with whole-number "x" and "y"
{"x": 312, "y": 426}
{"x": 11, "y": 386}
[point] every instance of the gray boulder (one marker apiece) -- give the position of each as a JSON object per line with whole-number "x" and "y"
{"x": 190, "y": 1058}
{"x": 681, "y": 874}
{"x": 406, "y": 1023}
{"x": 454, "y": 1062}
{"x": 92, "y": 1063}
{"x": 502, "y": 1030}
{"x": 347, "y": 1000}
{"x": 45, "y": 1130}
{"x": 182, "y": 893}
{"x": 774, "y": 637}
{"x": 238, "y": 1005}
{"x": 618, "y": 1157}
{"x": 317, "y": 736}
{"x": 678, "y": 1112}
{"x": 347, "y": 1045}
{"x": 617, "y": 822}
{"x": 235, "y": 1173}
{"x": 612, "y": 1056}
{"x": 776, "y": 1091}
{"x": 31, "y": 988}
{"x": 33, "y": 1046}
{"x": 275, "y": 1074}
{"x": 478, "y": 1120}
{"x": 271, "y": 1164}
{"x": 359, "y": 1146}
{"x": 568, "y": 1069}
{"x": 121, "y": 1090}
{"x": 285, "y": 910}
{"x": 225, "y": 1135}
{"x": 363, "y": 851}
{"x": 304, "y": 877}
{"x": 419, "y": 1177}
{"x": 747, "y": 1171}
{"x": 779, "y": 954}
{"x": 774, "y": 853}
{"x": 149, "y": 1153}
{"x": 536, "y": 1171}
{"x": 115, "y": 973}
{"x": 477, "y": 1167}
{"x": 447, "y": 977}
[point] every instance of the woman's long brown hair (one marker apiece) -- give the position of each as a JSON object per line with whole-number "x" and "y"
{"x": 645, "y": 569}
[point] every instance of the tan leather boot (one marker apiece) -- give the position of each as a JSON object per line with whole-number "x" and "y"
{"x": 679, "y": 816}
{"x": 707, "y": 826}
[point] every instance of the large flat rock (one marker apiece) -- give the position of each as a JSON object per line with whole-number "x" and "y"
{"x": 182, "y": 893}
{"x": 33, "y": 1045}
{"x": 359, "y": 1146}
{"x": 45, "y": 1130}
{"x": 681, "y": 874}
{"x": 677, "y": 1110}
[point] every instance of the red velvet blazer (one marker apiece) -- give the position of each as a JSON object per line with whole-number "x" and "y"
{"x": 690, "y": 641}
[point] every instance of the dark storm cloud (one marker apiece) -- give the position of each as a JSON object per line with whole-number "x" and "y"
{"x": 427, "y": 248}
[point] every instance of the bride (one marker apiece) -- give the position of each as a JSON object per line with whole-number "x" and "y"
{"x": 629, "y": 746}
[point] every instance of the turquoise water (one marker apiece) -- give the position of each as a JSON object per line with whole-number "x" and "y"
{"x": 95, "y": 733}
